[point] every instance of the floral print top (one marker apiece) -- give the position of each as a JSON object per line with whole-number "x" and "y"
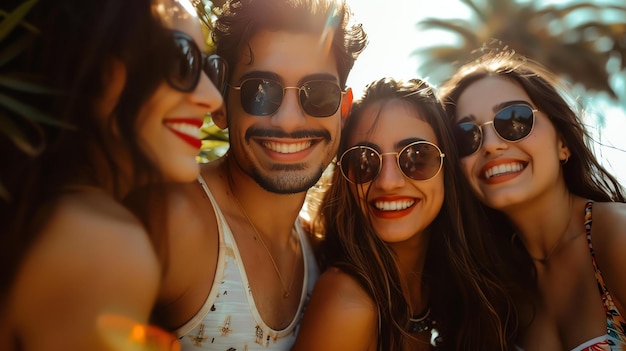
{"x": 616, "y": 337}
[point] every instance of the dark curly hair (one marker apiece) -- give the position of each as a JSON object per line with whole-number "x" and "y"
{"x": 242, "y": 19}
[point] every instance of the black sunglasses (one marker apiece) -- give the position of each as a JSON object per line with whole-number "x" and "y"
{"x": 190, "y": 61}
{"x": 420, "y": 160}
{"x": 262, "y": 97}
{"x": 512, "y": 123}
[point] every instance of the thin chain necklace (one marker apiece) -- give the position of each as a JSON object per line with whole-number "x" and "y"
{"x": 286, "y": 287}
{"x": 546, "y": 258}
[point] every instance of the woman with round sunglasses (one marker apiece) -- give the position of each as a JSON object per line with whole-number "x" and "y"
{"x": 108, "y": 97}
{"x": 400, "y": 232}
{"x": 525, "y": 154}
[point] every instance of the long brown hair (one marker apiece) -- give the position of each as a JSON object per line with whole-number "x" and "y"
{"x": 472, "y": 309}
{"x": 583, "y": 174}
{"x": 70, "y": 53}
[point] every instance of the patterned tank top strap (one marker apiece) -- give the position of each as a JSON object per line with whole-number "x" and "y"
{"x": 616, "y": 325}
{"x": 588, "y": 207}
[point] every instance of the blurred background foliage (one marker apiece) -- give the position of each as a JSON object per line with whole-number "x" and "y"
{"x": 21, "y": 122}
{"x": 584, "y": 42}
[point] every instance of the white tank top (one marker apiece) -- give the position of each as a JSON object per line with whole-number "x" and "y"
{"x": 229, "y": 319}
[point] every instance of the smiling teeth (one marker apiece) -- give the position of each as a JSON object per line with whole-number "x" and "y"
{"x": 503, "y": 169}
{"x": 287, "y": 148}
{"x": 393, "y": 205}
{"x": 185, "y": 128}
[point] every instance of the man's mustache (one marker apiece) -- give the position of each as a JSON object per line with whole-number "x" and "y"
{"x": 300, "y": 134}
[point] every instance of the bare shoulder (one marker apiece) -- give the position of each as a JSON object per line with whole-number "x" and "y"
{"x": 340, "y": 316}
{"x": 189, "y": 206}
{"x": 193, "y": 246}
{"x": 609, "y": 222}
{"x": 341, "y": 287}
{"x": 608, "y": 233}
{"x": 191, "y": 216}
{"x": 189, "y": 211}
{"x": 93, "y": 258}
{"x": 84, "y": 223}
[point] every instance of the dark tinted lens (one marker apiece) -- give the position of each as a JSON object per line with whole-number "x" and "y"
{"x": 420, "y": 161}
{"x": 514, "y": 122}
{"x": 261, "y": 97}
{"x": 360, "y": 165}
{"x": 215, "y": 68}
{"x": 185, "y": 70}
{"x": 468, "y": 138}
{"x": 320, "y": 98}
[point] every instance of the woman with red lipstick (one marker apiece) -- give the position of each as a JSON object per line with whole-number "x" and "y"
{"x": 107, "y": 97}
{"x": 398, "y": 253}
{"x": 525, "y": 154}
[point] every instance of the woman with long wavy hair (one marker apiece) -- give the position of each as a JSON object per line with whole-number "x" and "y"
{"x": 403, "y": 248}
{"x": 525, "y": 152}
{"x": 123, "y": 88}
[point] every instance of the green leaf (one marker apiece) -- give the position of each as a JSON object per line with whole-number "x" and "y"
{"x": 30, "y": 112}
{"x": 15, "y": 48}
{"x": 15, "y": 18}
{"x": 21, "y": 85}
{"x": 19, "y": 139}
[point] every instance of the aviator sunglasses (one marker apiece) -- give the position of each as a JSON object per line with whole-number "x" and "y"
{"x": 512, "y": 123}
{"x": 420, "y": 160}
{"x": 190, "y": 61}
{"x": 262, "y": 96}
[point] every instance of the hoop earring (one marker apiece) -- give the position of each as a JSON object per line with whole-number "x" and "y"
{"x": 563, "y": 162}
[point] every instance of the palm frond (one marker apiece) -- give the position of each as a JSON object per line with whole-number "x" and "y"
{"x": 19, "y": 119}
{"x": 15, "y": 18}
{"x": 30, "y": 141}
{"x": 18, "y": 82}
{"x": 573, "y": 40}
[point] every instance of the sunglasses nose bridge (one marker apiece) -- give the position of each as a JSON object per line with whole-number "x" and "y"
{"x": 483, "y": 129}
{"x": 298, "y": 90}
{"x": 390, "y": 175}
{"x": 289, "y": 114}
{"x": 491, "y": 139}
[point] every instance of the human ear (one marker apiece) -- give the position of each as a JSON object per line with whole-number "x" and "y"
{"x": 114, "y": 81}
{"x": 564, "y": 152}
{"x": 219, "y": 117}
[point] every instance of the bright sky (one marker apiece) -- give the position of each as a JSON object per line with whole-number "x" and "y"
{"x": 393, "y": 36}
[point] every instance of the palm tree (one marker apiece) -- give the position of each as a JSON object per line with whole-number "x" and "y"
{"x": 583, "y": 42}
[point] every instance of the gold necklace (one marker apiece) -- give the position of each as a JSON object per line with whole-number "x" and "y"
{"x": 286, "y": 288}
{"x": 545, "y": 259}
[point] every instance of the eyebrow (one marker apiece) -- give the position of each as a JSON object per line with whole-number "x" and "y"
{"x": 505, "y": 104}
{"x": 276, "y": 77}
{"x": 367, "y": 143}
{"x": 496, "y": 108}
{"x": 402, "y": 143}
{"x": 260, "y": 74}
{"x": 399, "y": 145}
